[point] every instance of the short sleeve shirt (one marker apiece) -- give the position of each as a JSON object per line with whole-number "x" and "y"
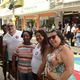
{"x": 12, "y": 42}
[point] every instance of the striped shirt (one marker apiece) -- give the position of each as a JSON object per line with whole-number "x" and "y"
{"x": 24, "y": 53}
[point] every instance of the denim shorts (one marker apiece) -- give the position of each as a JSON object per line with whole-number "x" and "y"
{"x": 25, "y": 76}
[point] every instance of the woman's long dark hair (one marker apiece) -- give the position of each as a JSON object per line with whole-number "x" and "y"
{"x": 44, "y": 43}
{"x": 60, "y": 35}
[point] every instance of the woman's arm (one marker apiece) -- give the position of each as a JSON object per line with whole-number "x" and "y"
{"x": 51, "y": 75}
{"x": 4, "y": 53}
{"x": 68, "y": 60}
{"x": 42, "y": 66}
{"x": 13, "y": 62}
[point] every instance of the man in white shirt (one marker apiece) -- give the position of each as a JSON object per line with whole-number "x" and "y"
{"x": 11, "y": 40}
{"x": 73, "y": 34}
{"x": 68, "y": 32}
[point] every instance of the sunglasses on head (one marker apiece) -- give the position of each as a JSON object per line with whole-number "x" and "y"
{"x": 53, "y": 37}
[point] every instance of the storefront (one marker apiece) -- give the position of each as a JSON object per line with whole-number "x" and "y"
{"x": 39, "y": 20}
{"x": 71, "y": 18}
{"x": 34, "y": 14}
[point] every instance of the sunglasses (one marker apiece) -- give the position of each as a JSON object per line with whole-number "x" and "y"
{"x": 10, "y": 25}
{"x": 53, "y": 37}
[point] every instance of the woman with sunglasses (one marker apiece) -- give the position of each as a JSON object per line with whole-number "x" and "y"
{"x": 60, "y": 62}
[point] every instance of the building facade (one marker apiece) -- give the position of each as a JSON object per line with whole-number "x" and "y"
{"x": 39, "y": 12}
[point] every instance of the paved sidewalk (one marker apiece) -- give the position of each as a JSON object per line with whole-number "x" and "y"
{"x": 75, "y": 49}
{"x": 1, "y": 74}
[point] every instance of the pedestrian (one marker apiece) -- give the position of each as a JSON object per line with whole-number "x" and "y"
{"x": 73, "y": 34}
{"x": 24, "y": 56}
{"x": 11, "y": 40}
{"x": 4, "y": 28}
{"x": 39, "y": 54}
{"x": 60, "y": 26}
{"x": 60, "y": 62}
{"x": 4, "y": 59}
{"x": 77, "y": 34}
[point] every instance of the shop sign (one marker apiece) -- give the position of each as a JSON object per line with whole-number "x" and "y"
{"x": 18, "y": 3}
{"x": 32, "y": 6}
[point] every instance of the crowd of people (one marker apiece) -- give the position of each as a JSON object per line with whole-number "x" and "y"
{"x": 51, "y": 58}
{"x": 72, "y": 34}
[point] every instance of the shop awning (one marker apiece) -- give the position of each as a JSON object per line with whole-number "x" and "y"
{"x": 5, "y": 12}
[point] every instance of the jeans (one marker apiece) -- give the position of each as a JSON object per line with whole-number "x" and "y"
{"x": 35, "y": 76}
{"x": 25, "y": 76}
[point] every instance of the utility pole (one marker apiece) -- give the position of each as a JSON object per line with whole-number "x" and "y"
{"x": 13, "y": 12}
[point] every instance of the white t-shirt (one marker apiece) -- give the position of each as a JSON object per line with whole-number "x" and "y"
{"x": 12, "y": 42}
{"x": 36, "y": 59}
{"x": 73, "y": 29}
{"x": 68, "y": 28}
